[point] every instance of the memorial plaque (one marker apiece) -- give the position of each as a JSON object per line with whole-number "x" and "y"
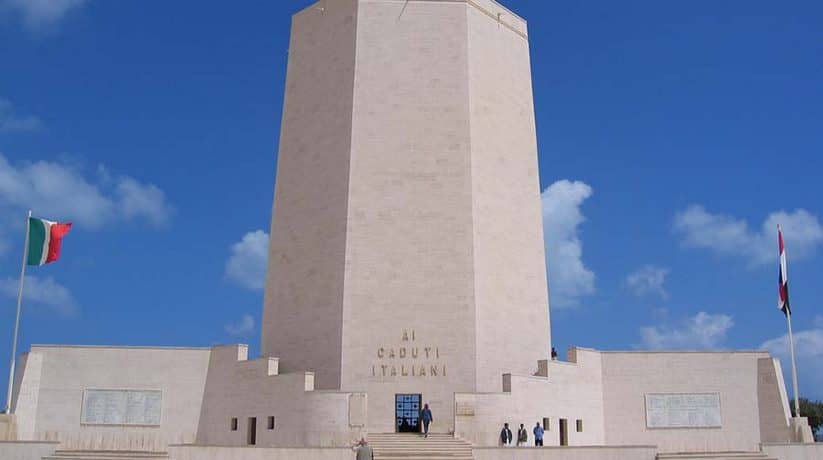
{"x": 465, "y": 408}
{"x": 683, "y": 410}
{"x": 121, "y": 407}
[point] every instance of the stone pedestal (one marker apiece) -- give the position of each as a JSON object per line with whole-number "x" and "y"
{"x": 801, "y": 431}
{"x": 7, "y": 428}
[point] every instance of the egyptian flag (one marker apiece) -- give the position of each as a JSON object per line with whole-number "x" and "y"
{"x": 45, "y": 237}
{"x": 783, "y": 277}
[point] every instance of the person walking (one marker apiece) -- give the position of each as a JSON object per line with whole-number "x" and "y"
{"x": 522, "y": 436}
{"x": 506, "y": 436}
{"x": 426, "y": 417}
{"x": 538, "y": 435}
{"x": 363, "y": 450}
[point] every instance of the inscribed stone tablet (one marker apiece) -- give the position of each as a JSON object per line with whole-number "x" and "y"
{"x": 464, "y": 408}
{"x": 675, "y": 410}
{"x": 154, "y": 402}
{"x": 121, "y": 407}
{"x": 94, "y": 407}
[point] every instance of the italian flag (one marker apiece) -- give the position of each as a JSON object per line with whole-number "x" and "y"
{"x": 45, "y": 237}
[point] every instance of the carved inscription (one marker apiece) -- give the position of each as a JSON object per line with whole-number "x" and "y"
{"x": 683, "y": 410}
{"x": 121, "y": 407}
{"x": 408, "y": 359}
{"x": 464, "y": 408}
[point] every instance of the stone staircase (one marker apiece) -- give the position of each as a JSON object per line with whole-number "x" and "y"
{"x": 106, "y": 455}
{"x": 415, "y": 447}
{"x": 716, "y": 456}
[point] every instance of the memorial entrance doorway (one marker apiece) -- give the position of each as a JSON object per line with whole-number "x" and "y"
{"x": 407, "y": 412}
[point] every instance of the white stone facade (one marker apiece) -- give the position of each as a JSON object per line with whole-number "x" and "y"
{"x": 407, "y": 203}
{"x": 52, "y": 380}
{"x": 406, "y": 257}
{"x": 205, "y": 389}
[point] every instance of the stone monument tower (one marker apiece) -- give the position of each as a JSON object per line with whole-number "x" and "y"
{"x": 406, "y": 252}
{"x": 406, "y": 267}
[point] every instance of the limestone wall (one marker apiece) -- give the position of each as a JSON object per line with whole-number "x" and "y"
{"x": 566, "y": 390}
{"x": 735, "y": 376}
{"x": 407, "y": 204}
{"x": 50, "y": 395}
{"x": 794, "y": 451}
{"x": 8, "y": 429}
{"x": 250, "y": 453}
{"x": 510, "y": 290}
{"x": 26, "y": 450}
{"x": 773, "y": 402}
{"x": 26, "y": 393}
{"x": 302, "y": 318}
{"x": 409, "y": 263}
{"x": 243, "y": 389}
{"x": 567, "y": 453}
{"x": 443, "y": 143}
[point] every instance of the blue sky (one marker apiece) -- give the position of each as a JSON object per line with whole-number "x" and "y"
{"x": 673, "y": 137}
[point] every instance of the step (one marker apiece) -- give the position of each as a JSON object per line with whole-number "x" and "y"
{"x": 94, "y": 456}
{"x": 106, "y": 455}
{"x": 714, "y": 456}
{"x": 392, "y": 446}
{"x": 719, "y": 457}
{"x": 97, "y": 456}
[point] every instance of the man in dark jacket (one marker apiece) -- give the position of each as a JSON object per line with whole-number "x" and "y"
{"x": 506, "y": 435}
{"x": 522, "y": 436}
{"x": 426, "y": 418}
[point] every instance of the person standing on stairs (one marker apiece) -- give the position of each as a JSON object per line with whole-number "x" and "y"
{"x": 426, "y": 418}
{"x": 364, "y": 450}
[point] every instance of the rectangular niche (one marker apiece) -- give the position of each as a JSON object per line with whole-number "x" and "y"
{"x": 121, "y": 407}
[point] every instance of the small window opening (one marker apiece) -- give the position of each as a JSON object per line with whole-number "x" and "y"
{"x": 579, "y": 426}
{"x": 252, "y": 436}
{"x": 563, "y": 427}
{"x": 271, "y": 422}
{"x": 233, "y": 424}
{"x": 547, "y": 423}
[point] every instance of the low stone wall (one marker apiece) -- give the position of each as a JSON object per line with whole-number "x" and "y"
{"x": 794, "y": 451}
{"x": 256, "y": 453}
{"x": 566, "y": 453}
{"x": 7, "y": 429}
{"x": 26, "y": 450}
{"x": 245, "y": 389}
{"x": 562, "y": 390}
{"x": 116, "y": 438}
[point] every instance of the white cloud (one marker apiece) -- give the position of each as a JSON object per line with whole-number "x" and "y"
{"x": 41, "y": 292}
{"x": 60, "y": 191}
{"x": 247, "y": 264}
{"x": 648, "y": 280}
{"x": 38, "y": 14}
{"x": 569, "y": 278}
{"x": 242, "y": 328}
{"x": 702, "y": 331}
{"x": 729, "y": 236}
{"x": 142, "y": 200}
{"x": 10, "y": 121}
{"x": 809, "y": 353}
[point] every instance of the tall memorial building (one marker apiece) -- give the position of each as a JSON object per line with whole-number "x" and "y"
{"x": 406, "y": 247}
{"x": 406, "y": 266}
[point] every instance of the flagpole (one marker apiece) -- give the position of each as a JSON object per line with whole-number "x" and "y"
{"x": 794, "y": 368}
{"x": 17, "y": 320}
{"x": 787, "y": 310}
